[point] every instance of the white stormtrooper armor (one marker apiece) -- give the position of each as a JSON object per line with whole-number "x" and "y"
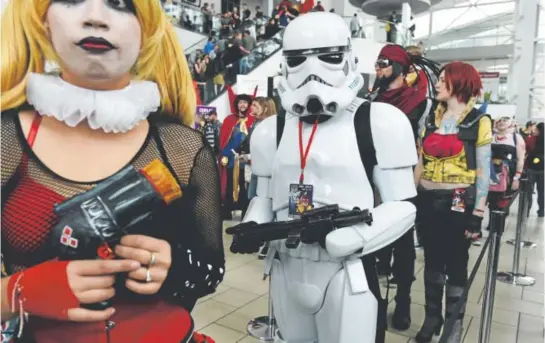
{"x": 321, "y": 295}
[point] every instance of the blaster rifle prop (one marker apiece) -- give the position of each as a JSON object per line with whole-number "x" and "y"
{"x": 313, "y": 227}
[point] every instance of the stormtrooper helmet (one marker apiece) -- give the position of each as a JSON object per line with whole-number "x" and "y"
{"x": 319, "y": 73}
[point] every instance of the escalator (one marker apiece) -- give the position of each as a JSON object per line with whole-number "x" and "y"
{"x": 263, "y": 62}
{"x": 189, "y": 22}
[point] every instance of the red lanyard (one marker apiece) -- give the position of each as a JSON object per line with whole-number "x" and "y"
{"x": 305, "y": 154}
{"x": 34, "y": 129}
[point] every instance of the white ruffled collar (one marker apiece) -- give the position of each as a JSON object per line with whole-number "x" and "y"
{"x": 112, "y": 111}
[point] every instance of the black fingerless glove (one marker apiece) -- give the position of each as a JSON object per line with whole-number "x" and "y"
{"x": 474, "y": 223}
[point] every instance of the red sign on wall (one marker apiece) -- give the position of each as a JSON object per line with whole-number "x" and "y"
{"x": 489, "y": 75}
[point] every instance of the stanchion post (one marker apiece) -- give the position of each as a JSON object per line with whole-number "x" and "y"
{"x": 525, "y": 196}
{"x": 497, "y": 226}
{"x": 514, "y": 277}
{"x": 272, "y": 321}
{"x": 521, "y": 218}
{"x": 529, "y": 191}
{"x": 264, "y": 327}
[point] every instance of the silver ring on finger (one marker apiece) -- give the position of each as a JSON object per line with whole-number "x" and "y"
{"x": 153, "y": 259}
{"x": 148, "y": 275}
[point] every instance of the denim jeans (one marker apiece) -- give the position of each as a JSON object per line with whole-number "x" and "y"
{"x": 244, "y": 66}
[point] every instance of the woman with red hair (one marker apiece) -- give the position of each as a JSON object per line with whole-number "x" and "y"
{"x": 453, "y": 176}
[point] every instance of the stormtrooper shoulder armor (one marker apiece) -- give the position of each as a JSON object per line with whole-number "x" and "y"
{"x": 263, "y": 147}
{"x": 393, "y": 137}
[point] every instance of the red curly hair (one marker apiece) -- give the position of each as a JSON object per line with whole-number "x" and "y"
{"x": 462, "y": 80}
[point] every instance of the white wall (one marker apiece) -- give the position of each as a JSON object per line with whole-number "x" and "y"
{"x": 367, "y": 52}
{"x": 188, "y": 38}
{"x": 498, "y": 111}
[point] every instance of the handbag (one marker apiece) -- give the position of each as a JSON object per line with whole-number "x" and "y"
{"x": 499, "y": 178}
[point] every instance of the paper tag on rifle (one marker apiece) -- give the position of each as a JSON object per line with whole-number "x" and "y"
{"x": 300, "y": 199}
{"x": 458, "y": 200}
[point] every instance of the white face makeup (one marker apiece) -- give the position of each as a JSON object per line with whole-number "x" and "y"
{"x": 97, "y": 40}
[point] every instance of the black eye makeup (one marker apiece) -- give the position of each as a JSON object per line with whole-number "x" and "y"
{"x": 120, "y": 5}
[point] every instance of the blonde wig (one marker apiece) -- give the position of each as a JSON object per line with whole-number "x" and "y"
{"x": 262, "y": 101}
{"x": 268, "y": 107}
{"x": 26, "y": 47}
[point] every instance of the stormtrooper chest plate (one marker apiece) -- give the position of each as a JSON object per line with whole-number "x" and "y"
{"x": 333, "y": 167}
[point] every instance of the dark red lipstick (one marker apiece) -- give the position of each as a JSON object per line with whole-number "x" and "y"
{"x": 95, "y": 45}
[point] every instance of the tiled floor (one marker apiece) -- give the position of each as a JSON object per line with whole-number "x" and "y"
{"x": 518, "y": 311}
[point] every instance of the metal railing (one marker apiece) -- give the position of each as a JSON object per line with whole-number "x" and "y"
{"x": 210, "y": 89}
{"x": 473, "y": 42}
{"x": 375, "y": 29}
{"x": 192, "y": 18}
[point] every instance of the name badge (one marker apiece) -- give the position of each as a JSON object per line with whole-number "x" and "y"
{"x": 301, "y": 199}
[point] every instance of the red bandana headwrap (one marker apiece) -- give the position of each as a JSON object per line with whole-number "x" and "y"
{"x": 405, "y": 98}
{"x": 395, "y": 53}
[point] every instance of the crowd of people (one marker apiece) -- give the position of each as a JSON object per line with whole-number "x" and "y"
{"x": 482, "y": 171}
{"x": 238, "y": 40}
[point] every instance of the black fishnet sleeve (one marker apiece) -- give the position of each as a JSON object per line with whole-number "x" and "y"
{"x": 208, "y": 255}
{"x": 12, "y": 152}
{"x": 198, "y": 260}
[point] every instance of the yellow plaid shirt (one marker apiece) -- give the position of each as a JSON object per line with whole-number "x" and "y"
{"x": 453, "y": 169}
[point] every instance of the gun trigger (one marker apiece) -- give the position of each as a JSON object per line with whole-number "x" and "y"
{"x": 293, "y": 240}
{"x": 369, "y": 218}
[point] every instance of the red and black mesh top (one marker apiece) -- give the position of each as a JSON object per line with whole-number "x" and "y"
{"x": 191, "y": 224}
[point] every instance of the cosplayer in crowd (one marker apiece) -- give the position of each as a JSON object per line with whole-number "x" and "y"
{"x": 535, "y": 161}
{"x": 211, "y": 130}
{"x": 119, "y": 100}
{"x": 234, "y": 131}
{"x": 392, "y": 67}
{"x": 453, "y": 175}
{"x": 330, "y": 148}
{"x": 261, "y": 109}
{"x": 508, "y": 155}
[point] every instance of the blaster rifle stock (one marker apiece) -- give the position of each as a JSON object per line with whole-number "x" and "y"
{"x": 313, "y": 226}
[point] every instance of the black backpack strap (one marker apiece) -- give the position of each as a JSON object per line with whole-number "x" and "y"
{"x": 429, "y": 124}
{"x": 364, "y": 136}
{"x": 280, "y": 121}
{"x": 468, "y": 133}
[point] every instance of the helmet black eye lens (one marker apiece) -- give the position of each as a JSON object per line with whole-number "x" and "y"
{"x": 332, "y": 58}
{"x": 294, "y": 61}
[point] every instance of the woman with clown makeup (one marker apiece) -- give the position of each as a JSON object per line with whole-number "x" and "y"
{"x": 124, "y": 96}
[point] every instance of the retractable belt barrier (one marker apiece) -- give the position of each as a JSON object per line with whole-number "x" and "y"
{"x": 514, "y": 277}
{"x": 492, "y": 244}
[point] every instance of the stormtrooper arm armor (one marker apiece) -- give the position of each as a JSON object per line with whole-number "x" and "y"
{"x": 263, "y": 150}
{"x": 396, "y": 155}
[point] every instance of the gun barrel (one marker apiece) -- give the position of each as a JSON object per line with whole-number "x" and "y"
{"x": 266, "y": 231}
{"x": 351, "y": 218}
